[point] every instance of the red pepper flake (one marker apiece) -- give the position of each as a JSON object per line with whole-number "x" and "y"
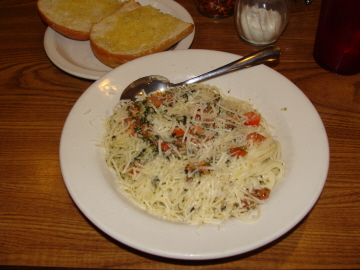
{"x": 216, "y": 8}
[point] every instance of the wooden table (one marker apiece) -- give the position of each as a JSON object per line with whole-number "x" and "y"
{"x": 41, "y": 226}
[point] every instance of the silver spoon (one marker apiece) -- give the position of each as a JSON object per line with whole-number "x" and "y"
{"x": 152, "y": 83}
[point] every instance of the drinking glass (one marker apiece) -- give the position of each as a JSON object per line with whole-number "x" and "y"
{"x": 337, "y": 43}
{"x": 215, "y": 9}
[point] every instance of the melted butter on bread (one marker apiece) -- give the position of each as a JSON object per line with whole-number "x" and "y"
{"x": 135, "y": 31}
{"x": 127, "y": 34}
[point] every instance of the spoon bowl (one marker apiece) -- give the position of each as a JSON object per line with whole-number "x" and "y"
{"x": 152, "y": 83}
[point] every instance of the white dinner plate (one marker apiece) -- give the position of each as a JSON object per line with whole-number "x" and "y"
{"x": 76, "y": 57}
{"x": 297, "y": 126}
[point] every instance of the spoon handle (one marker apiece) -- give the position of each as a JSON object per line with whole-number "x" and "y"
{"x": 270, "y": 53}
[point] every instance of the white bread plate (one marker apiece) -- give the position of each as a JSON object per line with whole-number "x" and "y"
{"x": 76, "y": 57}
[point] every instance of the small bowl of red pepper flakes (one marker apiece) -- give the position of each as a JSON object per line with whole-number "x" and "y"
{"x": 216, "y": 9}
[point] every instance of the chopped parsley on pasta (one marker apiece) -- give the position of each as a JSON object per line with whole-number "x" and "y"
{"x": 191, "y": 154}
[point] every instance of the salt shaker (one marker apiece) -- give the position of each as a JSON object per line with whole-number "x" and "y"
{"x": 261, "y": 22}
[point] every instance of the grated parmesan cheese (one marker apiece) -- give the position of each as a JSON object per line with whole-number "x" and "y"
{"x": 197, "y": 157}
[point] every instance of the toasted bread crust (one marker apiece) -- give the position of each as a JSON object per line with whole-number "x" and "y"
{"x": 67, "y": 32}
{"x": 48, "y": 11}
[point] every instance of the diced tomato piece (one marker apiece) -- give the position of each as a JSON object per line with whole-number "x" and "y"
{"x": 209, "y": 139}
{"x": 179, "y": 142}
{"x": 132, "y": 126}
{"x": 195, "y": 166}
{"x": 255, "y": 137}
{"x": 165, "y": 147}
{"x": 198, "y": 129}
{"x": 146, "y": 129}
{"x": 262, "y": 194}
{"x": 189, "y": 168}
{"x": 194, "y": 141}
{"x": 133, "y": 170}
{"x": 198, "y": 117}
{"x": 245, "y": 203}
{"x": 237, "y": 152}
{"x": 253, "y": 119}
{"x": 203, "y": 170}
{"x": 127, "y": 120}
{"x": 134, "y": 110}
{"x": 178, "y": 132}
{"x": 155, "y": 100}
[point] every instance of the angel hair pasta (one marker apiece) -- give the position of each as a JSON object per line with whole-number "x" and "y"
{"x": 193, "y": 155}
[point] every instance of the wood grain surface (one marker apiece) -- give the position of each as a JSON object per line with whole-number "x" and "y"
{"x": 40, "y": 226}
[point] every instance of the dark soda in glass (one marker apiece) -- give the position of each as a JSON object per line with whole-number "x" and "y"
{"x": 337, "y": 44}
